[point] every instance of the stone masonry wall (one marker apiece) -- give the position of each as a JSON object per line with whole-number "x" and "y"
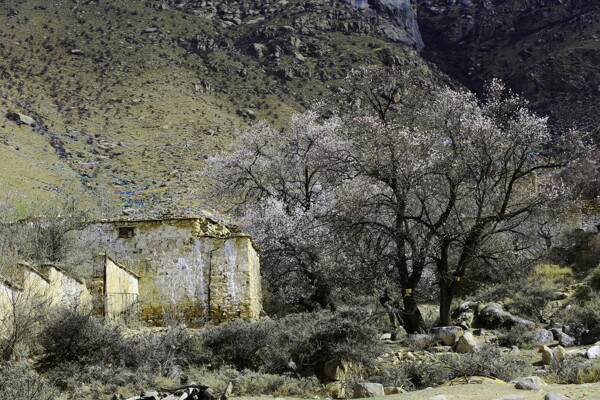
{"x": 176, "y": 261}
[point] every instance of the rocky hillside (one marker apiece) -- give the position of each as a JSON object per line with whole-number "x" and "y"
{"x": 122, "y": 91}
{"x": 549, "y": 50}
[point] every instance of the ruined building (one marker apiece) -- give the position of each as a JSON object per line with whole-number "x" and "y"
{"x": 191, "y": 269}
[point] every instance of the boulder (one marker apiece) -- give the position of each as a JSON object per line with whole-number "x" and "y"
{"x": 560, "y": 353}
{"x": 566, "y": 340}
{"x": 367, "y": 389}
{"x": 336, "y": 370}
{"x": 554, "y": 396}
{"x": 393, "y": 390}
{"x": 493, "y": 316}
{"x": 447, "y": 334}
{"x": 466, "y": 343}
{"x": 20, "y": 118}
{"x": 543, "y": 336}
{"x": 547, "y": 354}
{"x": 421, "y": 340}
{"x": 528, "y": 383}
{"x": 527, "y": 386}
{"x": 593, "y": 352}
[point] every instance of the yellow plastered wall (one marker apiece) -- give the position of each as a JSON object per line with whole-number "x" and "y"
{"x": 121, "y": 290}
{"x": 65, "y": 290}
{"x": 8, "y": 293}
{"x": 235, "y": 290}
{"x": 177, "y": 260}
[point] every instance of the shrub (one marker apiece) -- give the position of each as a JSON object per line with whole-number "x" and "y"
{"x": 75, "y": 336}
{"x": 574, "y": 370}
{"x": 296, "y": 342}
{"x": 593, "y": 279}
{"x": 517, "y": 335}
{"x": 20, "y": 381}
{"x": 318, "y": 338}
{"x": 251, "y": 383}
{"x": 584, "y": 318}
{"x": 486, "y": 361}
{"x": 244, "y": 345}
{"x": 160, "y": 352}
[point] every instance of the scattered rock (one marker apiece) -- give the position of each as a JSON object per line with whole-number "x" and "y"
{"x": 76, "y": 52}
{"x": 440, "y": 349}
{"x": 528, "y": 383}
{"x": 466, "y": 343}
{"x": 447, "y": 334}
{"x": 510, "y": 397}
{"x": 336, "y": 390}
{"x": 560, "y": 353}
{"x": 593, "y": 352}
{"x": 577, "y": 353}
{"x": 543, "y": 336}
{"x": 150, "y": 30}
{"x": 440, "y": 397}
{"x": 368, "y": 389}
{"x": 554, "y": 396}
{"x": 393, "y": 390}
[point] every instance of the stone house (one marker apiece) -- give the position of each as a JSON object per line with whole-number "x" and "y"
{"x": 189, "y": 267}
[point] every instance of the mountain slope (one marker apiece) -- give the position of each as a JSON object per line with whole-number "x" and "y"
{"x": 133, "y": 95}
{"x": 549, "y": 50}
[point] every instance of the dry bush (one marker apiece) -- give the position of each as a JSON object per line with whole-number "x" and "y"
{"x": 251, "y": 383}
{"x": 21, "y": 319}
{"x": 20, "y": 381}
{"x": 574, "y": 370}
{"x": 297, "y": 342}
{"x": 486, "y": 361}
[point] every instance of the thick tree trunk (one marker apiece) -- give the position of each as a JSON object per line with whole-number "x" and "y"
{"x": 446, "y": 296}
{"x": 411, "y": 315}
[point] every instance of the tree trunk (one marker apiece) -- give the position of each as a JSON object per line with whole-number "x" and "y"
{"x": 446, "y": 296}
{"x": 411, "y": 315}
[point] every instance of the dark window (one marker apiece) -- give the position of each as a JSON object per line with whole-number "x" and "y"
{"x": 125, "y": 232}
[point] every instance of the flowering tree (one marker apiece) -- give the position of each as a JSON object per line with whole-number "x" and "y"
{"x": 416, "y": 179}
{"x": 455, "y": 188}
{"x": 281, "y": 186}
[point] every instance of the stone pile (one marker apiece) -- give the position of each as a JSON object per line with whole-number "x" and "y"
{"x": 192, "y": 391}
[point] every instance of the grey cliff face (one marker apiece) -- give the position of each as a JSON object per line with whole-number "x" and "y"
{"x": 396, "y": 18}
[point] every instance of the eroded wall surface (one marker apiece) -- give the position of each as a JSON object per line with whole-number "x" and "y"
{"x": 64, "y": 290}
{"x": 177, "y": 260}
{"x": 121, "y": 291}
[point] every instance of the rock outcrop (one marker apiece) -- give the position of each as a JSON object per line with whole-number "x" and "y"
{"x": 397, "y": 19}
